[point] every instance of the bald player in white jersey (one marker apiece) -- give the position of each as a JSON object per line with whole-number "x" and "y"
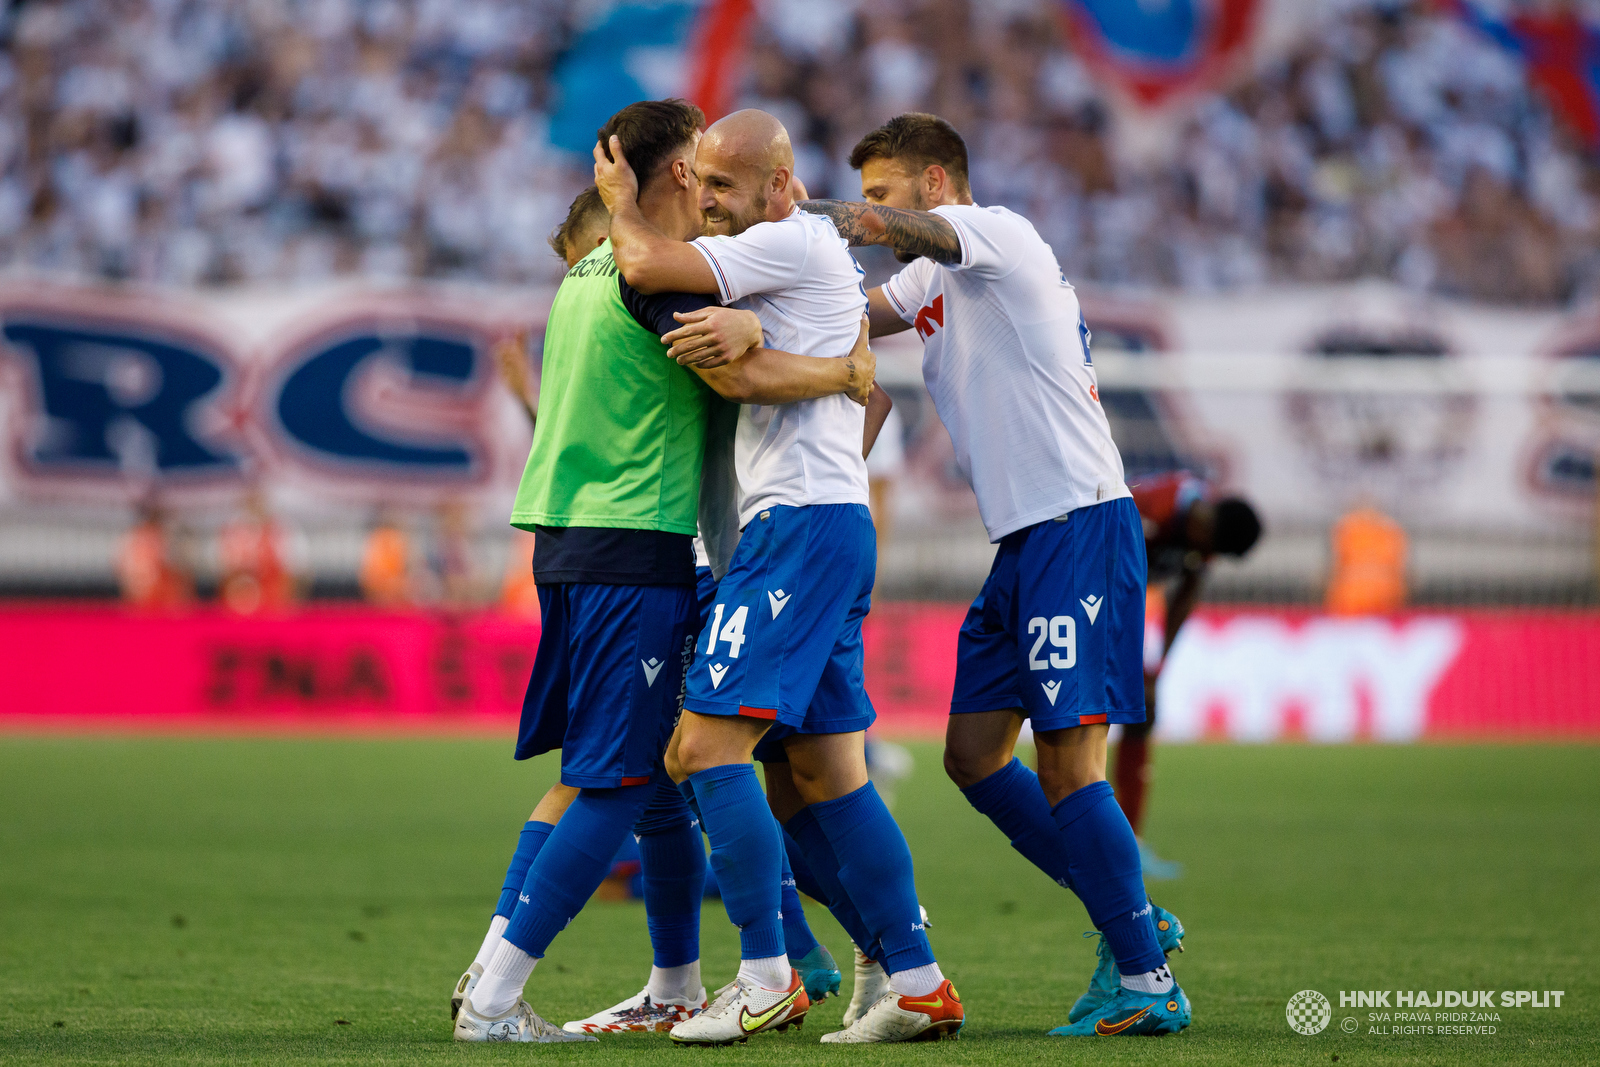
{"x": 1056, "y": 634}
{"x": 778, "y": 672}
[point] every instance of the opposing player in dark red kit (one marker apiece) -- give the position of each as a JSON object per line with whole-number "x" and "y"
{"x": 1185, "y": 526}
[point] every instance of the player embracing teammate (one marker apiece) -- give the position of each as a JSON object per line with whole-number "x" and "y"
{"x": 1056, "y": 633}
{"x": 612, "y": 493}
{"x": 777, "y": 673}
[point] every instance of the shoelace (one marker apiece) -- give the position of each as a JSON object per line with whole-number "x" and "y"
{"x": 725, "y": 997}
{"x": 1103, "y": 948}
{"x": 535, "y": 1022}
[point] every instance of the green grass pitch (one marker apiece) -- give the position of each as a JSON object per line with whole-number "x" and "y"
{"x": 195, "y": 901}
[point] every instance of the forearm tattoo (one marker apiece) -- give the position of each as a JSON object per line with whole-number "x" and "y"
{"x": 918, "y": 233}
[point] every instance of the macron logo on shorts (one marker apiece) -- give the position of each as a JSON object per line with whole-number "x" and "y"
{"x": 778, "y": 600}
{"x": 1091, "y": 606}
{"x": 1050, "y": 690}
{"x": 717, "y": 671}
{"x": 652, "y": 667}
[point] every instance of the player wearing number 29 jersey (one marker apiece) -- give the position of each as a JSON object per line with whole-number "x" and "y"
{"x": 1056, "y": 634}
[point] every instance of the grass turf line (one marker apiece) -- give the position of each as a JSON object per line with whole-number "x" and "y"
{"x": 199, "y": 901}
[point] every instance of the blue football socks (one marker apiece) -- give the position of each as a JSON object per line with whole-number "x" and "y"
{"x": 798, "y": 941}
{"x": 875, "y": 870}
{"x": 745, "y": 854}
{"x": 823, "y": 863}
{"x": 573, "y": 863}
{"x": 529, "y": 842}
{"x": 1012, "y": 799}
{"x": 805, "y": 879}
{"x": 1103, "y": 856}
{"x": 673, "y": 864}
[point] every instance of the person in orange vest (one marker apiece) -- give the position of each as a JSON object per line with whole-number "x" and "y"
{"x": 1185, "y": 527}
{"x": 1367, "y": 575}
{"x": 148, "y": 569}
{"x": 256, "y": 574}
{"x": 385, "y": 574}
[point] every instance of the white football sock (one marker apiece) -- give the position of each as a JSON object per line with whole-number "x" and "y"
{"x": 491, "y": 940}
{"x": 770, "y": 972}
{"x": 1156, "y": 981}
{"x": 674, "y": 983}
{"x": 916, "y": 982}
{"x": 507, "y": 971}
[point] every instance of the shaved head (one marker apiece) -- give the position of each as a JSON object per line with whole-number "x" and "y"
{"x": 744, "y": 164}
{"x": 751, "y": 138}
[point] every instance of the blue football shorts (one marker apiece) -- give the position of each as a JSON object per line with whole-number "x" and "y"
{"x": 784, "y": 638}
{"x": 608, "y": 679}
{"x": 1058, "y": 628}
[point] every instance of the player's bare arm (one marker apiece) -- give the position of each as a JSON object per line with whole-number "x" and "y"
{"x": 712, "y": 336}
{"x": 773, "y": 376}
{"x": 651, "y": 261}
{"x": 885, "y": 319}
{"x": 878, "y": 405}
{"x": 1182, "y": 604}
{"x": 915, "y": 233}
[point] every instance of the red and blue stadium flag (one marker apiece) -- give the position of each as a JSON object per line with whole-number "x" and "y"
{"x": 1561, "y": 52}
{"x": 1157, "y": 52}
{"x": 642, "y": 50}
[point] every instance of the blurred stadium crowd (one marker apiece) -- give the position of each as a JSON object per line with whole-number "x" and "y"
{"x": 185, "y": 142}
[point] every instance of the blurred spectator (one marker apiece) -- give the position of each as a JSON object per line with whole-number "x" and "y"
{"x": 257, "y": 553}
{"x": 149, "y": 569}
{"x": 244, "y": 140}
{"x": 386, "y": 564}
{"x": 1368, "y": 572}
{"x": 450, "y": 572}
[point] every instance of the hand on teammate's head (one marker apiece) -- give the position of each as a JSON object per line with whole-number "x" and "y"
{"x": 612, "y": 174}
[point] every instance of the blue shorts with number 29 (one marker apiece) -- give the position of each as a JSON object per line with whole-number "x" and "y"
{"x": 1058, "y": 629}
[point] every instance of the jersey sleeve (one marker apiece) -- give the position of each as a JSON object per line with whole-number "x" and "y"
{"x": 654, "y": 312}
{"x": 990, "y": 246}
{"x": 766, "y": 257}
{"x": 908, "y": 290}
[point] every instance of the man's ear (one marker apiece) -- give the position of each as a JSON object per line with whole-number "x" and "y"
{"x": 682, "y": 174}
{"x": 934, "y": 183}
{"x": 780, "y": 179}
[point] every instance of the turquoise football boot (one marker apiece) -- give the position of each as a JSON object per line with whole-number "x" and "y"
{"x": 1133, "y": 1014}
{"x": 819, "y": 973}
{"x": 1106, "y": 980}
{"x": 1157, "y": 869}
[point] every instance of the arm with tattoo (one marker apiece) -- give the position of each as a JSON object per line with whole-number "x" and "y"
{"x": 916, "y": 233}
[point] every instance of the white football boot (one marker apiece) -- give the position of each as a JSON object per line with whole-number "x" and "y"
{"x": 744, "y": 1009}
{"x": 640, "y": 1013}
{"x": 937, "y": 1016}
{"x": 464, "y": 986}
{"x": 870, "y": 985}
{"x": 521, "y": 1023}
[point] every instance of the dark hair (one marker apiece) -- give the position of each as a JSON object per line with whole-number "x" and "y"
{"x": 585, "y": 206}
{"x": 651, "y": 132}
{"x": 1237, "y": 527}
{"x": 917, "y": 140}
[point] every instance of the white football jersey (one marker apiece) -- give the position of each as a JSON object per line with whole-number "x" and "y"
{"x": 799, "y": 278}
{"x": 1006, "y": 359}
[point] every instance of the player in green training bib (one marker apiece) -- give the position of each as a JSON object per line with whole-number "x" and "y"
{"x": 611, "y": 491}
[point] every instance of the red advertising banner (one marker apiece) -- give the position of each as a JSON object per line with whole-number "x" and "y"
{"x": 1234, "y": 675}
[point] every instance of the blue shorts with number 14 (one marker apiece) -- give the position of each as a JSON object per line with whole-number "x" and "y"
{"x": 784, "y": 638}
